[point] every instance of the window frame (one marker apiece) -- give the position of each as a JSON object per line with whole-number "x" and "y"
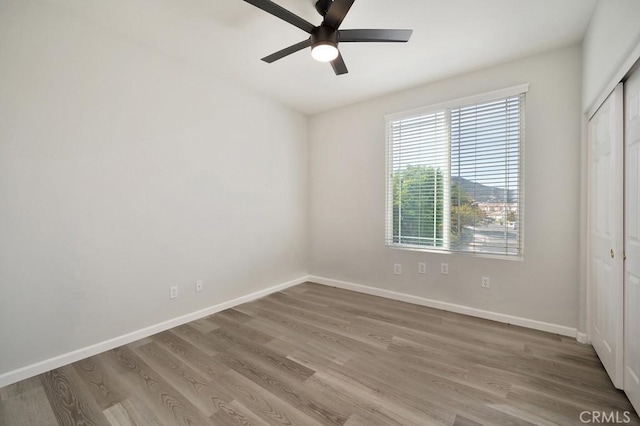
{"x": 521, "y": 89}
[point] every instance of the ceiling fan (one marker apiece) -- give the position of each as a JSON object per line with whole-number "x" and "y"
{"x": 324, "y": 39}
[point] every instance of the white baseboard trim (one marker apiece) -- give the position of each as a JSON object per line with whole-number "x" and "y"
{"x": 73, "y": 356}
{"x": 582, "y": 337}
{"x": 446, "y": 306}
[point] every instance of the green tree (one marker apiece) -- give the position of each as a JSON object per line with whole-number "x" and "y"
{"x": 418, "y": 206}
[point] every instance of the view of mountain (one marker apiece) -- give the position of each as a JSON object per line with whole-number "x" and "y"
{"x": 484, "y": 193}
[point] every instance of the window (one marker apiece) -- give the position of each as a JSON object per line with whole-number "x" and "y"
{"x": 454, "y": 175}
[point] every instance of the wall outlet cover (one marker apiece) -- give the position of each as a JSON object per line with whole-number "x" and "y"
{"x": 485, "y": 282}
{"x": 444, "y": 268}
{"x": 397, "y": 268}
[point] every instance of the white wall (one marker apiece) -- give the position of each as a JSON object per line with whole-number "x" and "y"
{"x": 612, "y": 35}
{"x": 124, "y": 172}
{"x": 347, "y": 197}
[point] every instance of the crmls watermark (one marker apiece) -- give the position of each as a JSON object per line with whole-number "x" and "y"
{"x": 608, "y": 417}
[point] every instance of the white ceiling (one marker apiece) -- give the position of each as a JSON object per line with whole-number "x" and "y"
{"x": 227, "y": 38}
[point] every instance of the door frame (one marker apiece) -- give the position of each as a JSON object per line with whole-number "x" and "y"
{"x": 630, "y": 383}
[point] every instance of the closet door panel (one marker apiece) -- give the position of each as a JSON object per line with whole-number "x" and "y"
{"x": 606, "y": 234}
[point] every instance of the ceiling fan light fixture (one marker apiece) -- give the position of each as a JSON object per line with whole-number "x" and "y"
{"x": 324, "y": 51}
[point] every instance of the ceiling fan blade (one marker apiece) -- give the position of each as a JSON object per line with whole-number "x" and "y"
{"x": 282, "y": 13}
{"x": 336, "y": 13}
{"x": 374, "y": 36}
{"x": 287, "y": 51}
{"x": 339, "y": 67}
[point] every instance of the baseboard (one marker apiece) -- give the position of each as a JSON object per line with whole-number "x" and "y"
{"x": 582, "y": 337}
{"x": 70, "y": 357}
{"x": 460, "y": 309}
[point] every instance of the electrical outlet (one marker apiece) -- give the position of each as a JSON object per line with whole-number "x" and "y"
{"x": 199, "y": 285}
{"x": 422, "y": 268}
{"x": 174, "y": 292}
{"x": 397, "y": 268}
{"x": 485, "y": 282}
{"x": 444, "y": 268}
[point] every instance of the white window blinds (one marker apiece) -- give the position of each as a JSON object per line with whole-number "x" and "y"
{"x": 455, "y": 176}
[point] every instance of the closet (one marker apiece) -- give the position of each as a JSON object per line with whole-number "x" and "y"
{"x": 613, "y": 298}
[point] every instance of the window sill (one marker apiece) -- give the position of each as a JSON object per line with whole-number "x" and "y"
{"x": 517, "y": 258}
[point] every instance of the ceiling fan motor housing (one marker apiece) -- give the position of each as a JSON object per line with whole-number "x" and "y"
{"x": 324, "y": 35}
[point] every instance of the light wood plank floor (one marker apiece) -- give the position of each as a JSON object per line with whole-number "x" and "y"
{"x": 315, "y": 355}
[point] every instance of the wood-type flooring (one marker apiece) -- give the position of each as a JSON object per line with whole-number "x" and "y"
{"x": 317, "y": 355}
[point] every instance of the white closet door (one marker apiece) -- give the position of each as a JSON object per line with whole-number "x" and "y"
{"x": 606, "y": 234}
{"x": 632, "y": 241}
